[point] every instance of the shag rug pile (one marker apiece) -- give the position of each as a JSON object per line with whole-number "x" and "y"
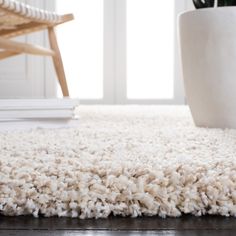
{"x": 128, "y": 161}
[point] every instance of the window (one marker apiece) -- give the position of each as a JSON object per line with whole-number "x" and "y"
{"x": 150, "y": 49}
{"x": 82, "y": 47}
{"x": 122, "y": 51}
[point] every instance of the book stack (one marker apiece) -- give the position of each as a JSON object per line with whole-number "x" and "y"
{"x": 37, "y": 108}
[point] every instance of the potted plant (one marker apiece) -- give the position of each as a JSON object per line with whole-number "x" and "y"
{"x": 208, "y": 51}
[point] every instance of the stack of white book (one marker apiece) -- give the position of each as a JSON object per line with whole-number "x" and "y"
{"x": 38, "y": 108}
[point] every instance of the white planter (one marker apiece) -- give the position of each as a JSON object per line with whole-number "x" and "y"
{"x": 208, "y": 51}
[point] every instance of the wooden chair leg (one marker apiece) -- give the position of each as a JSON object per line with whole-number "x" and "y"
{"x": 57, "y": 60}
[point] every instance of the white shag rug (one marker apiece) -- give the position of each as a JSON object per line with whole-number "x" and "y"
{"x": 128, "y": 161}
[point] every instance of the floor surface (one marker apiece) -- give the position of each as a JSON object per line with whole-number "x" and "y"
{"x": 114, "y": 226}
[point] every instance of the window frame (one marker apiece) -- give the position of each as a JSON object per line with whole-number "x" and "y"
{"x": 114, "y": 81}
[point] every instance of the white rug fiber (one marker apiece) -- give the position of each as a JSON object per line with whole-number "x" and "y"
{"x": 128, "y": 161}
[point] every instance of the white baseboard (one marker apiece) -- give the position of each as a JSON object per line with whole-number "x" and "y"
{"x": 38, "y": 104}
{"x": 22, "y": 125}
{"x": 37, "y": 108}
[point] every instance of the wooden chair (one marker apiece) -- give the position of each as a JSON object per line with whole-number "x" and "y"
{"x": 19, "y": 19}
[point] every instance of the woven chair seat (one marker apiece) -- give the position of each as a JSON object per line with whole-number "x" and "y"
{"x": 13, "y": 13}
